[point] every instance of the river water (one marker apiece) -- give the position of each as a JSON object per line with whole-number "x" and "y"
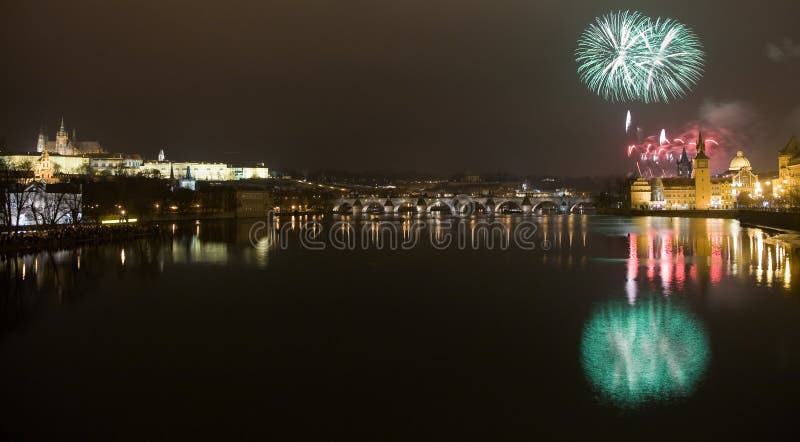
{"x": 401, "y": 329}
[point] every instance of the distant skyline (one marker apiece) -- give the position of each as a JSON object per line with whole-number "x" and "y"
{"x": 432, "y": 86}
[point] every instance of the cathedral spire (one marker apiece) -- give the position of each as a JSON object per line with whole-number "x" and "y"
{"x": 41, "y": 141}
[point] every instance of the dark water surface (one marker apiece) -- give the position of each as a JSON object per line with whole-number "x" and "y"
{"x": 628, "y": 327}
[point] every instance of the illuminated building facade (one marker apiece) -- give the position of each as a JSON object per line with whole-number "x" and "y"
{"x": 788, "y": 169}
{"x": 200, "y": 171}
{"x": 641, "y": 194}
{"x": 204, "y": 171}
{"x": 43, "y": 169}
{"x": 679, "y": 193}
{"x": 61, "y": 164}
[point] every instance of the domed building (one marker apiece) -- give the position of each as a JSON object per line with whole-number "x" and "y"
{"x": 739, "y": 162}
{"x": 744, "y": 181}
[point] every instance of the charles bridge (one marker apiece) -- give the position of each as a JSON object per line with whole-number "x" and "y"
{"x": 533, "y": 203}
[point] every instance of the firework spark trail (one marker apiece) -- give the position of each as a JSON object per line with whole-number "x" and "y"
{"x": 663, "y": 138}
{"x": 628, "y": 121}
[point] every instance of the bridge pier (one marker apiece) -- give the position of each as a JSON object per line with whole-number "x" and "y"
{"x": 527, "y": 207}
{"x": 421, "y": 206}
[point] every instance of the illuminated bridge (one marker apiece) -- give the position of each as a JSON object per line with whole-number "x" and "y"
{"x": 466, "y": 204}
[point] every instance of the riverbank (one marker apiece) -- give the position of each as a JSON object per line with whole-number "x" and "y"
{"x": 175, "y": 217}
{"x": 787, "y": 221}
{"x": 783, "y": 221}
{"x": 72, "y": 236}
{"x": 719, "y": 214}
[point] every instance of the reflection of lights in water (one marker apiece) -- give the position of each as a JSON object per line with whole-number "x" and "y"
{"x": 651, "y": 260}
{"x": 23, "y": 271}
{"x": 633, "y": 268}
{"x": 666, "y": 263}
{"x": 654, "y": 350}
{"x": 760, "y": 257}
{"x": 680, "y": 270}
{"x": 122, "y": 257}
{"x": 769, "y": 268}
{"x": 199, "y": 251}
{"x": 263, "y": 247}
{"x": 787, "y": 275}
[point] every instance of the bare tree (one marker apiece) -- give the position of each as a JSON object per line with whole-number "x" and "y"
{"x": 73, "y": 204}
{"x": 13, "y": 195}
{"x": 54, "y": 211}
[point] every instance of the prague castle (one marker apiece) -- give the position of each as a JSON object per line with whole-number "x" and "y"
{"x": 67, "y": 156}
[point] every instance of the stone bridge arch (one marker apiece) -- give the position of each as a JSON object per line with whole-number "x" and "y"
{"x": 507, "y": 203}
{"x": 546, "y": 203}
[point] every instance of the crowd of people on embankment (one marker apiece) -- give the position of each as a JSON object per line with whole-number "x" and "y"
{"x": 35, "y": 240}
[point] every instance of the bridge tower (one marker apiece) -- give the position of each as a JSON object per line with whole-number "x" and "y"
{"x": 702, "y": 177}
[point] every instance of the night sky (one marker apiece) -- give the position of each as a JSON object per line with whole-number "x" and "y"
{"x": 434, "y": 86}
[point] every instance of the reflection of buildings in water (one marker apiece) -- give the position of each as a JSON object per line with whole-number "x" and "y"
{"x": 706, "y": 251}
{"x": 562, "y": 234}
{"x": 248, "y": 242}
{"x": 653, "y": 350}
{"x": 771, "y": 261}
{"x": 197, "y": 251}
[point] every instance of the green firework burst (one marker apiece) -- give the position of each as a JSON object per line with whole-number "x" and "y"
{"x": 626, "y": 56}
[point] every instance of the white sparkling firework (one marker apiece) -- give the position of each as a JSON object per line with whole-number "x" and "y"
{"x": 628, "y": 122}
